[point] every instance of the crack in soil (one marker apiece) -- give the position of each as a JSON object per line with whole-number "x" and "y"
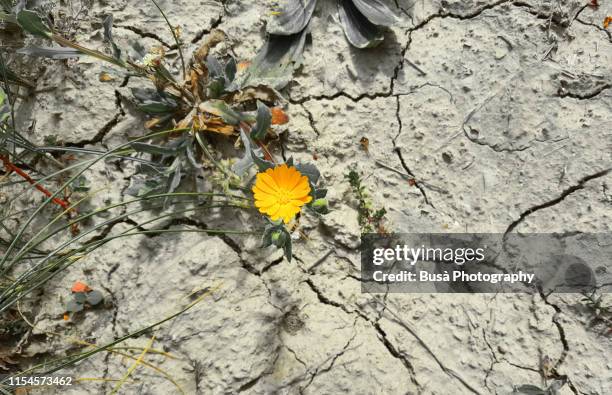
{"x": 398, "y": 151}
{"x": 216, "y": 23}
{"x": 108, "y": 126}
{"x": 320, "y": 370}
{"x": 313, "y": 126}
{"x": 601, "y": 29}
{"x": 584, "y": 96}
{"x": 580, "y": 185}
{"x": 562, "y": 338}
{"x": 144, "y": 34}
{"x": 382, "y": 336}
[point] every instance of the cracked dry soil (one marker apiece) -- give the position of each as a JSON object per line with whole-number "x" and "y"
{"x": 501, "y": 110}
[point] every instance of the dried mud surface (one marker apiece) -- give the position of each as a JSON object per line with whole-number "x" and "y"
{"x": 501, "y": 108}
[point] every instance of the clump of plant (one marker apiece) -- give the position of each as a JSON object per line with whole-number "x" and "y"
{"x": 177, "y": 165}
{"x": 362, "y": 20}
{"x": 371, "y": 220}
{"x": 209, "y": 98}
{"x": 82, "y": 297}
{"x": 601, "y": 313}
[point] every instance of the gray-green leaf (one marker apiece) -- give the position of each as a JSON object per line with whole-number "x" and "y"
{"x": 310, "y": 171}
{"x": 31, "y": 22}
{"x": 73, "y": 307}
{"x": 360, "y": 32}
{"x": 5, "y": 109}
{"x": 153, "y": 149}
{"x": 94, "y": 297}
{"x": 50, "y": 52}
{"x": 220, "y": 108}
{"x": 108, "y": 35}
{"x": 376, "y": 11}
{"x": 275, "y": 62}
{"x": 292, "y": 18}
{"x": 79, "y": 297}
{"x": 263, "y": 121}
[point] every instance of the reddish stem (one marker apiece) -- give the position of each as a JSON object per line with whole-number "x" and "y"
{"x": 267, "y": 156}
{"x": 12, "y": 167}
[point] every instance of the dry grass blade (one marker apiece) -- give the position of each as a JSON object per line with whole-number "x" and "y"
{"x": 134, "y": 366}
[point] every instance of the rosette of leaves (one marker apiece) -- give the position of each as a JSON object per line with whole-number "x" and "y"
{"x": 363, "y": 23}
{"x": 362, "y": 20}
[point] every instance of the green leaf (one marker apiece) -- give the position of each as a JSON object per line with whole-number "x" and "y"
{"x": 528, "y": 389}
{"x": 6, "y": 5}
{"x": 262, "y": 164}
{"x": 288, "y": 249}
{"x": 156, "y": 108}
{"x": 175, "y": 175}
{"x": 215, "y": 88}
{"x": 276, "y": 234}
{"x": 310, "y": 171}
{"x": 153, "y": 149}
{"x": 6, "y": 73}
{"x": 221, "y": 109}
{"x": 230, "y": 70}
{"x": 79, "y": 297}
{"x": 5, "y": 109}
{"x": 73, "y": 307}
{"x": 141, "y": 186}
{"x": 31, "y": 22}
{"x": 319, "y": 206}
{"x": 94, "y": 297}
{"x": 263, "y": 121}
{"x": 266, "y": 239}
{"x": 320, "y": 193}
{"x": 9, "y": 18}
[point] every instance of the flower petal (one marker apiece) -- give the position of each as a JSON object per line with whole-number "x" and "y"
{"x": 261, "y": 186}
{"x": 268, "y": 179}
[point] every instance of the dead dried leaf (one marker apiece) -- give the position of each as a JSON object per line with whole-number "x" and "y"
{"x": 607, "y": 22}
{"x": 212, "y": 124}
{"x": 261, "y": 93}
{"x": 151, "y": 123}
{"x": 105, "y": 77}
{"x": 214, "y": 38}
{"x": 243, "y": 65}
{"x": 279, "y": 116}
{"x": 365, "y": 144}
{"x": 79, "y": 287}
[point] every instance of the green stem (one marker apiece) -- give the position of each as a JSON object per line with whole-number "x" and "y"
{"x": 176, "y": 40}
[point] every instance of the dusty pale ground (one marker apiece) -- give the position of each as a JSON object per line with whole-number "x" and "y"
{"x": 502, "y": 108}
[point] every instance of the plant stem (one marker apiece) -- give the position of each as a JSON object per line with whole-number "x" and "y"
{"x": 176, "y": 40}
{"x": 12, "y": 167}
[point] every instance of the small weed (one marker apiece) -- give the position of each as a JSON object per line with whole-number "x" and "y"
{"x": 602, "y": 314}
{"x": 370, "y": 220}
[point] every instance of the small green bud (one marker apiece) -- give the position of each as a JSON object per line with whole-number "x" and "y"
{"x": 319, "y": 203}
{"x": 277, "y": 238}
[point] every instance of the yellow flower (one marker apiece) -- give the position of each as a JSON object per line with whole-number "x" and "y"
{"x": 281, "y": 192}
